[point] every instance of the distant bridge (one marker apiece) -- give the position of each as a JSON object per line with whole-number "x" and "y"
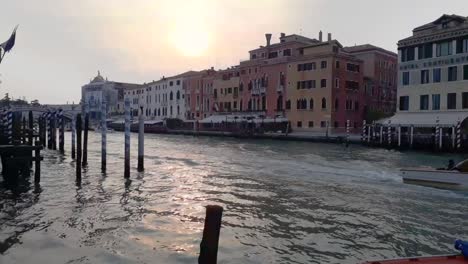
{"x": 67, "y": 113}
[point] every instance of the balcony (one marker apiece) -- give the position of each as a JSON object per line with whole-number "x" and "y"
{"x": 262, "y": 90}
{"x": 255, "y": 91}
{"x": 280, "y": 88}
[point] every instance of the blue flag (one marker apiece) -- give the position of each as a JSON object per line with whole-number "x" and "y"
{"x": 8, "y": 45}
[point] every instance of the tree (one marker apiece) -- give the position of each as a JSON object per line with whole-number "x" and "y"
{"x": 6, "y": 101}
{"x": 35, "y": 102}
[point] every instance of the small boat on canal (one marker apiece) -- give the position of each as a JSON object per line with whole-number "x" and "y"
{"x": 450, "y": 177}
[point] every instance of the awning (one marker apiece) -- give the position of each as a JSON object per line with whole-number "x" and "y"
{"x": 425, "y": 119}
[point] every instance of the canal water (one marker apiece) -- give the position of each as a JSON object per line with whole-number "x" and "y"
{"x": 285, "y": 202}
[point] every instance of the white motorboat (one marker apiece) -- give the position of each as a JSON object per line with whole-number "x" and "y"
{"x": 436, "y": 178}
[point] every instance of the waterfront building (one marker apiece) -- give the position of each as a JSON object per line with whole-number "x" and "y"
{"x": 433, "y": 74}
{"x": 93, "y": 93}
{"x": 324, "y": 88}
{"x": 380, "y": 73}
{"x": 199, "y": 93}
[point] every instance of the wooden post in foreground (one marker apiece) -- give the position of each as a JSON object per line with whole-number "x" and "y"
{"x": 73, "y": 136}
{"x": 141, "y": 141}
{"x": 103, "y": 136}
{"x": 61, "y": 132}
{"x": 79, "y": 123}
{"x": 85, "y": 140}
{"x": 37, "y": 157}
{"x": 127, "y": 139}
{"x": 211, "y": 230}
{"x": 30, "y": 128}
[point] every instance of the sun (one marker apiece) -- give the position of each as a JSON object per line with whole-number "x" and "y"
{"x": 190, "y": 38}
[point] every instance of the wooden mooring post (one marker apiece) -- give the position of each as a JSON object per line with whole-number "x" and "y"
{"x": 37, "y": 157}
{"x": 30, "y": 127}
{"x": 103, "y": 137}
{"x": 61, "y": 132}
{"x": 211, "y": 231}
{"x": 141, "y": 141}
{"x": 54, "y": 130}
{"x": 127, "y": 139}
{"x": 79, "y": 123}
{"x": 73, "y": 136}
{"x": 85, "y": 140}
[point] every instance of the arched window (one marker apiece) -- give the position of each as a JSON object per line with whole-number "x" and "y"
{"x": 155, "y": 113}
{"x": 171, "y": 96}
{"x": 178, "y": 95}
{"x": 324, "y": 103}
{"x": 159, "y": 111}
{"x": 264, "y": 103}
{"x": 336, "y": 104}
{"x": 249, "y": 105}
{"x": 288, "y": 104}
{"x": 304, "y": 104}
{"x": 311, "y": 104}
{"x": 279, "y": 103}
{"x": 170, "y": 111}
{"x": 258, "y": 104}
{"x": 178, "y": 110}
{"x": 298, "y": 104}
{"x": 240, "y": 105}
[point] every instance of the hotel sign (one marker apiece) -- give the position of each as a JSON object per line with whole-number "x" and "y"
{"x": 434, "y": 63}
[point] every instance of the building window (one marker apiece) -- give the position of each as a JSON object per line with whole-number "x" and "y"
{"x": 451, "y": 101}
{"x": 406, "y": 78}
{"x": 337, "y": 83}
{"x": 404, "y": 103}
{"x": 407, "y": 54}
{"x": 272, "y": 55}
{"x": 452, "y": 73}
{"x": 337, "y": 64}
{"x": 465, "y": 72}
{"x": 311, "y": 123}
{"x": 356, "y": 106}
{"x": 436, "y": 102}
{"x": 287, "y": 52}
{"x": 288, "y": 104}
{"x": 424, "y": 76}
{"x": 424, "y": 102}
{"x": 323, "y": 83}
{"x": 311, "y": 104}
{"x": 299, "y": 123}
{"x": 425, "y": 51}
{"x": 323, "y": 124}
{"x": 444, "y": 49}
{"x": 171, "y": 83}
{"x": 436, "y": 75}
{"x": 323, "y": 64}
{"x": 336, "y": 104}
{"x": 178, "y": 82}
{"x": 352, "y": 67}
{"x": 465, "y": 100}
{"x": 324, "y": 103}
{"x": 229, "y": 90}
{"x": 352, "y": 85}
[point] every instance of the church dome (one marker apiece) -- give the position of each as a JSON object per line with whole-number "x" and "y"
{"x": 98, "y": 78}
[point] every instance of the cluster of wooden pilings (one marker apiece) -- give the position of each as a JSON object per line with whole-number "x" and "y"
{"x": 437, "y": 138}
{"x": 18, "y": 147}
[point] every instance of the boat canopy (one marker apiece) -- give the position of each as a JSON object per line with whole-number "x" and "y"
{"x": 426, "y": 119}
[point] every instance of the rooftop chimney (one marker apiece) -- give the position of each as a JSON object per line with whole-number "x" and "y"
{"x": 268, "y": 39}
{"x": 283, "y": 35}
{"x": 320, "y": 36}
{"x": 329, "y": 37}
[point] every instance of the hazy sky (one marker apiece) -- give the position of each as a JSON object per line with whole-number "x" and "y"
{"x": 61, "y": 44}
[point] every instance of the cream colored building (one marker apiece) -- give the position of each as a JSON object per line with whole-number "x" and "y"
{"x": 433, "y": 68}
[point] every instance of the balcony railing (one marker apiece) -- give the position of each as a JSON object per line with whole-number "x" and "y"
{"x": 262, "y": 90}
{"x": 280, "y": 88}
